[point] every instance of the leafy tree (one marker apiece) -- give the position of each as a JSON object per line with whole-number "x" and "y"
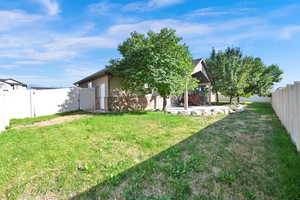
{"x": 215, "y": 63}
{"x": 235, "y": 75}
{"x": 155, "y": 60}
{"x": 262, "y": 77}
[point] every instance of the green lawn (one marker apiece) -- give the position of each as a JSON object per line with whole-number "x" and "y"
{"x": 153, "y": 156}
{"x": 29, "y": 121}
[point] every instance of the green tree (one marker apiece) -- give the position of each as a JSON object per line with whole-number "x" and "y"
{"x": 155, "y": 60}
{"x": 262, "y": 77}
{"x": 215, "y": 63}
{"x": 235, "y": 74}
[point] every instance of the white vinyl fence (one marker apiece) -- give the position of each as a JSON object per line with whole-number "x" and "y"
{"x": 254, "y": 98}
{"x": 286, "y": 103}
{"x": 34, "y": 103}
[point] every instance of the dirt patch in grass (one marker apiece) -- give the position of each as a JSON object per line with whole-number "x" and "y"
{"x": 55, "y": 121}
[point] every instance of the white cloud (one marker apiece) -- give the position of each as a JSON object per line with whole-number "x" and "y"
{"x": 284, "y": 11}
{"x": 15, "y": 18}
{"x": 182, "y": 28}
{"x": 30, "y": 62}
{"x": 289, "y": 31}
{"x": 210, "y": 11}
{"x": 39, "y": 46}
{"x": 81, "y": 42}
{"x": 162, "y": 3}
{"x": 59, "y": 48}
{"x": 240, "y": 22}
{"x": 38, "y": 80}
{"x": 65, "y": 46}
{"x": 7, "y": 66}
{"x": 77, "y": 72}
{"x": 51, "y": 6}
{"x": 112, "y": 12}
{"x": 67, "y": 76}
{"x": 150, "y": 5}
{"x": 104, "y": 8}
{"x": 207, "y": 12}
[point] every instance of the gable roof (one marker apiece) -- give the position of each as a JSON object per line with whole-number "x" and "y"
{"x": 200, "y": 71}
{"x": 106, "y": 71}
{"x": 12, "y": 82}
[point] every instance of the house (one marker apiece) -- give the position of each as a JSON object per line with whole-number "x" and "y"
{"x": 10, "y": 84}
{"x": 106, "y": 87}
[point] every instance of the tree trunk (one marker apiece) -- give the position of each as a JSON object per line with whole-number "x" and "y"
{"x": 230, "y": 100}
{"x": 164, "y": 103}
{"x": 217, "y": 97}
{"x": 238, "y": 100}
{"x": 186, "y": 97}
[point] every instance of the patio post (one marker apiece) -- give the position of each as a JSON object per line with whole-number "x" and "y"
{"x": 186, "y": 96}
{"x": 209, "y": 95}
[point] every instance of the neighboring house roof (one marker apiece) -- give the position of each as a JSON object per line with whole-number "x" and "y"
{"x": 202, "y": 74}
{"x": 12, "y": 82}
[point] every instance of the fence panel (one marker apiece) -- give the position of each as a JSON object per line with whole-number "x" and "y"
{"x": 33, "y": 103}
{"x": 18, "y": 104}
{"x": 47, "y": 102}
{"x": 286, "y": 103}
{"x": 4, "y": 119}
{"x": 254, "y": 98}
{"x": 87, "y": 99}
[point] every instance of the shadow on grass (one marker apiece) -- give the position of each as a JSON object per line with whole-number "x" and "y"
{"x": 168, "y": 162}
{"x": 187, "y": 169}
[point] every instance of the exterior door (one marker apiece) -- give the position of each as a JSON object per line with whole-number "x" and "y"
{"x": 102, "y": 96}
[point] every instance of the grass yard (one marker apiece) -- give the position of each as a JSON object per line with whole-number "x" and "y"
{"x": 153, "y": 156}
{"x": 30, "y": 121}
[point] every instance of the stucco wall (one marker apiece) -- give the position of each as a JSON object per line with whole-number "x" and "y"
{"x": 84, "y": 85}
{"x": 115, "y": 83}
{"x": 96, "y": 84}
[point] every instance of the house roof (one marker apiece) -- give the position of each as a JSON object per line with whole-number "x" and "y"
{"x": 196, "y": 61}
{"x": 105, "y": 71}
{"x": 202, "y": 73}
{"x": 94, "y": 76}
{"x": 12, "y": 82}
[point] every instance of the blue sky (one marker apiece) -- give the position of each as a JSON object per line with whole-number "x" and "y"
{"x": 57, "y": 42}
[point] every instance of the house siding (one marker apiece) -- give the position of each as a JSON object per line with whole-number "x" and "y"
{"x": 151, "y": 101}
{"x": 84, "y": 85}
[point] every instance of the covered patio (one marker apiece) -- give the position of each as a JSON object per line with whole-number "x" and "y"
{"x": 202, "y": 95}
